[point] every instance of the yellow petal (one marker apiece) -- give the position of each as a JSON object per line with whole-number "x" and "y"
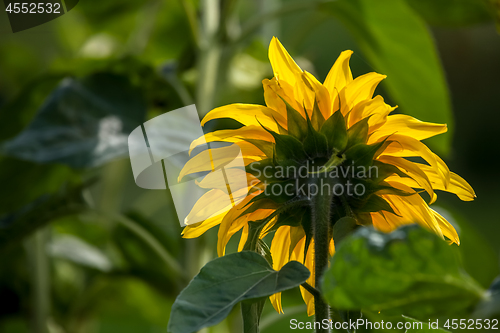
{"x": 211, "y": 203}
{"x": 320, "y": 93}
{"x": 233, "y": 222}
{"x": 280, "y": 255}
{"x": 235, "y": 135}
{"x": 198, "y": 229}
{"x": 405, "y": 146}
{"x": 243, "y": 238}
{"x": 386, "y": 224}
{"x": 414, "y": 209}
{"x": 412, "y": 170}
{"x": 309, "y": 263}
{"x": 247, "y": 114}
{"x": 284, "y": 67}
{"x": 360, "y": 89}
{"x": 272, "y": 97}
{"x": 234, "y": 179}
{"x": 457, "y": 185}
{"x": 448, "y": 230}
{"x": 374, "y": 108}
{"x": 216, "y": 158}
{"x": 406, "y": 125}
{"x": 339, "y": 76}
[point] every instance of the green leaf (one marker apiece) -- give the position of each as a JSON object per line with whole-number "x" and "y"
{"x": 335, "y": 131}
{"x": 17, "y": 226}
{"x": 398, "y": 43}
{"x": 342, "y": 228}
{"x": 452, "y": 13}
{"x": 409, "y": 271}
{"x": 226, "y": 281}
{"x": 83, "y": 123}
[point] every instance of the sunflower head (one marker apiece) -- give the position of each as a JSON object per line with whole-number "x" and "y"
{"x": 333, "y": 139}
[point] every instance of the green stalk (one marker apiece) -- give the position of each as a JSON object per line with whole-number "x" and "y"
{"x": 40, "y": 280}
{"x": 321, "y": 213}
{"x": 209, "y": 55}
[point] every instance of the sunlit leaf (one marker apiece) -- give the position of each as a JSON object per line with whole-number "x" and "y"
{"x": 409, "y": 271}
{"x": 453, "y": 13}
{"x": 398, "y": 43}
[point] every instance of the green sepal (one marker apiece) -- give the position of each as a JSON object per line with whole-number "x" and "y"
{"x": 335, "y": 131}
{"x": 376, "y": 204}
{"x": 362, "y": 154}
{"x": 315, "y": 143}
{"x": 296, "y": 124}
{"x": 385, "y": 170}
{"x": 308, "y": 230}
{"x": 289, "y": 151}
{"x": 257, "y": 168}
{"x": 269, "y": 193}
{"x": 358, "y": 133}
{"x": 291, "y": 218}
{"x": 265, "y": 146}
{"x": 317, "y": 118}
{"x": 255, "y": 227}
{"x": 264, "y": 203}
{"x": 281, "y": 129}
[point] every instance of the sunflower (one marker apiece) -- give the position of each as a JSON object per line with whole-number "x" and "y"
{"x": 337, "y": 130}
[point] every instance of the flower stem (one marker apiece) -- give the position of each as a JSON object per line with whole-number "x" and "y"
{"x": 321, "y": 211}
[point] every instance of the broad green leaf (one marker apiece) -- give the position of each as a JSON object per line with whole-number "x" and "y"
{"x": 226, "y": 281}
{"x": 452, "y": 13}
{"x": 398, "y": 43}
{"x": 83, "y": 123}
{"x": 409, "y": 271}
{"x": 30, "y": 181}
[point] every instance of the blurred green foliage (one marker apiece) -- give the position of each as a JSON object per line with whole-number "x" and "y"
{"x": 117, "y": 261}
